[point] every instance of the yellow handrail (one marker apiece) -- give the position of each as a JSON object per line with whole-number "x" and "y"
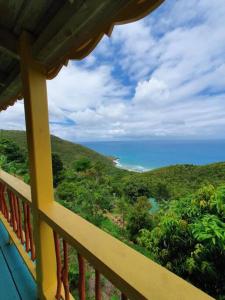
{"x": 135, "y": 275}
{"x": 16, "y": 185}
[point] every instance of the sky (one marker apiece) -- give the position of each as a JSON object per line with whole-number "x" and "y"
{"x": 160, "y": 77}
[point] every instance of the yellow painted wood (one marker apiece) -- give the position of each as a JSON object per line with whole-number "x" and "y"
{"x": 26, "y": 258}
{"x": 134, "y": 274}
{"x": 39, "y": 149}
{"x": 20, "y": 188}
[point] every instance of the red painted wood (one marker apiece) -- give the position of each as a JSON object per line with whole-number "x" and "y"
{"x": 5, "y": 210}
{"x": 20, "y": 229}
{"x": 82, "y": 290}
{"x": 7, "y": 214}
{"x": 27, "y": 240}
{"x": 16, "y": 215}
{"x": 98, "y": 295}
{"x": 12, "y": 210}
{"x": 123, "y": 297}
{"x": 65, "y": 271}
{"x": 58, "y": 266}
{"x": 1, "y": 197}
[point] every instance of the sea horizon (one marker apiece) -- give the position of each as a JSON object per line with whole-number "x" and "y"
{"x": 146, "y": 155}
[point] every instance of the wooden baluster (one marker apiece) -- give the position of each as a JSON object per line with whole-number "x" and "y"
{"x": 97, "y": 286}
{"x": 27, "y": 241}
{"x": 3, "y": 209}
{"x": 123, "y": 296}
{"x": 7, "y": 214}
{"x": 65, "y": 271}
{"x": 58, "y": 266}
{"x": 16, "y": 215}
{"x": 6, "y": 210}
{"x": 82, "y": 292}
{"x": 12, "y": 211}
{"x": 32, "y": 249}
{"x": 19, "y": 221}
{"x": 1, "y": 198}
{"x": 10, "y": 208}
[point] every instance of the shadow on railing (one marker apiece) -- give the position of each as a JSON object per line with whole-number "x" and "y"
{"x": 98, "y": 257}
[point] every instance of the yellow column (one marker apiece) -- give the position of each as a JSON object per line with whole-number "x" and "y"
{"x": 39, "y": 148}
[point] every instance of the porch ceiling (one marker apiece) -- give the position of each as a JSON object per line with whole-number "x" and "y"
{"x": 60, "y": 30}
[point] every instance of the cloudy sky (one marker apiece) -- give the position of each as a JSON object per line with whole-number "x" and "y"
{"x": 161, "y": 77}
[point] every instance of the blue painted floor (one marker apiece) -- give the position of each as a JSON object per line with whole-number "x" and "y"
{"x": 16, "y": 283}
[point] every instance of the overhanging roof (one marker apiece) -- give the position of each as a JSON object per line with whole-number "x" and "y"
{"x": 61, "y": 30}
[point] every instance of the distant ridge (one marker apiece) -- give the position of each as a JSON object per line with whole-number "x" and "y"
{"x": 181, "y": 180}
{"x": 68, "y": 151}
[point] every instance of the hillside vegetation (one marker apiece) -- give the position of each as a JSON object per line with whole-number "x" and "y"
{"x": 169, "y": 182}
{"x": 67, "y": 151}
{"x": 180, "y": 180}
{"x": 186, "y": 234}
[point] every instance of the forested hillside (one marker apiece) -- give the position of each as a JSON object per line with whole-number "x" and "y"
{"x": 186, "y": 233}
{"x": 67, "y": 151}
{"x": 168, "y": 182}
{"x": 180, "y": 180}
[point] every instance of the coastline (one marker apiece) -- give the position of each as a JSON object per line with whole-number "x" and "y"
{"x": 142, "y": 156}
{"x": 131, "y": 168}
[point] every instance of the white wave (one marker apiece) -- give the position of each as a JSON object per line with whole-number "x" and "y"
{"x": 133, "y": 168}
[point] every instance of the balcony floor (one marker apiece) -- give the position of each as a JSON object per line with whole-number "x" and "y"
{"x": 15, "y": 280}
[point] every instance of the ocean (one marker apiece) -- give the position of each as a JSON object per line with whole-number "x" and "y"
{"x": 141, "y": 156}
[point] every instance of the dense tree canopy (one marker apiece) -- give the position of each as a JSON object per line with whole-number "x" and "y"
{"x": 57, "y": 169}
{"x": 139, "y": 217}
{"x": 11, "y": 151}
{"x": 187, "y": 233}
{"x": 189, "y": 239}
{"x": 134, "y": 187}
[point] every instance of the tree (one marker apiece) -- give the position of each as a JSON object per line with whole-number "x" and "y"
{"x": 122, "y": 209}
{"x": 135, "y": 187}
{"x": 57, "y": 168}
{"x": 162, "y": 191}
{"x": 12, "y": 151}
{"x": 189, "y": 239}
{"x": 139, "y": 217}
{"x": 82, "y": 164}
{"x": 86, "y": 197}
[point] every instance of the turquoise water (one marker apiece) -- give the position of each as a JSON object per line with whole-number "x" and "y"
{"x": 154, "y": 204}
{"x": 145, "y": 155}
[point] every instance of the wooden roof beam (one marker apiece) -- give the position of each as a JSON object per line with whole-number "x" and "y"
{"x": 9, "y": 43}
{"x": 3, "y": 77}
{"x": 79, "y": 26}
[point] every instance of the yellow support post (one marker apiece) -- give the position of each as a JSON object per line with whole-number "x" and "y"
{"x": 39, "y": 148}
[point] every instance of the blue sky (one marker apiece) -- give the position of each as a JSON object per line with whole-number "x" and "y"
{"x": 161, "y": 77}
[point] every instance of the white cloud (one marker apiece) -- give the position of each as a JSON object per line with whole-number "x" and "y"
{"x": 162, "y": 76}
{"x": 151, "y": 93}
{"x": 13, "y": 117}
{"x": 77, "y": 88}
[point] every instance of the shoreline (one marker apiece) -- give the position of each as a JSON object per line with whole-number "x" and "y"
{"x": 134, "y": 168}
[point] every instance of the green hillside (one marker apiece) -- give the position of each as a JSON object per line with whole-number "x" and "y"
{"x": 178, "y": 180}
{"x": 68, "y": 151}
{"x": 186, "y": 233}
{"x": 181, "y": 180}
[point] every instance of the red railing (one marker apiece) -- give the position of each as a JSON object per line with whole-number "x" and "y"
{"x": 18, "y": 214}
{"x": 62, "y": 261}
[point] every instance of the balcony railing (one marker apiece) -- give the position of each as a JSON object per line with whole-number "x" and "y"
{"x": 134, "y": 275}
